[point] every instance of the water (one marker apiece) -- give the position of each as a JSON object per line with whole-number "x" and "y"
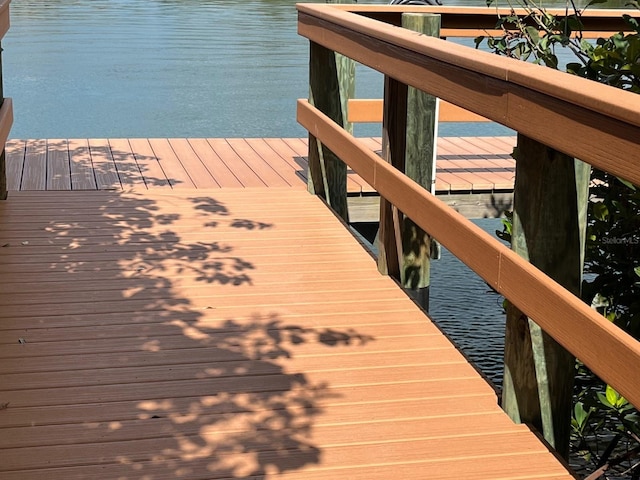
{"x": 99, "y": 68}
{"x": 162, "y": 68}
{"x": 165, "y": 68}
{"x": 468, "y": 311}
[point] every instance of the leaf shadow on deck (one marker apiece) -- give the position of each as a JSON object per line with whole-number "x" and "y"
{"x": 95, "y": 164}
{"x": 156, "y": 370}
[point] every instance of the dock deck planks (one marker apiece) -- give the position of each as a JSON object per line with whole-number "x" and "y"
{"x": 227, "y": 333}
{"x": 464, "y": 164}
{"x": 475, "y": 175}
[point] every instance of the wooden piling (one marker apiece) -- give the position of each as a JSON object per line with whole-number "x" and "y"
{"x": 394, "y": 137}
{"x": 3, "y": 161}
{"x": 409, "y": 144}
{"x": 420, "y": 164}
{"x": 549, "y": 225}
{"x": 331, "y": 84}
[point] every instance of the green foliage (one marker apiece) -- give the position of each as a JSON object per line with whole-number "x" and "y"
{"x": 507, "y": 227}
{"x": 614, "y": 60}
{"x": 613, "y": 250}
{"x": 535, "y": 36}
{"x": 580, "y": 418}
{"x": 612, "y": 399}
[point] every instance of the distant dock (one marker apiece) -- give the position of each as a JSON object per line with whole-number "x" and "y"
{"x": 474, "y": 174}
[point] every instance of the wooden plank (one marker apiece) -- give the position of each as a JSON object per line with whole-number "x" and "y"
{"x": 334, "y": 455}
{"x": 330, "y": 427}
{"x": 172, "y": 168}
{"x": 222, "y": 174}
{"x": 205, "y": 356}
{"x": 82, "y": 175}
{"x": 370, "y": 111}
{"x": 292, "y": 157}
{"x": 276, "y": 160}
{"x": 492, "y": 149}
{"x": 15, "y": 151}
{"x": 58, "y": 166}
{"x": 34, "y": 170}
{"x": 383, "y": 313}
{"x": 467, "y": 161}
{"x": 104, "y": 167}
{"x": 242, "y": 368}
{"x": 532, "y": 466}
{"x": 470, "y": 21}
{"x": 259, "y": 165}
{"x": 128, "y": 170}
{"x": 201, "y": 384}
{"x": 4, "y": 17}
{"x": 192, "y": 164}
{"x": 244, "y": 174}
{"x": 391, "y": 309}
{"x": 153, "y": 174}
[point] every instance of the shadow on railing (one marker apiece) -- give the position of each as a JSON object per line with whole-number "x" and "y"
{"x": 552, "y": 112}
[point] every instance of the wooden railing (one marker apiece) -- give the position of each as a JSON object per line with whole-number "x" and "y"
{"x": 466, "y": 22}
{"x": 6, "y": 107}
{"x": 540, "y": 103}
{"x": 476, "y": 21}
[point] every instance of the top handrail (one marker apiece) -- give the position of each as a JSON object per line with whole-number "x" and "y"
{"x": 460, "y": 21}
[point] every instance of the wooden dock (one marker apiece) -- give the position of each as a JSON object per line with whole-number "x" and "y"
{"x": 226, "y": 333}
{"x": 475, "y": 174}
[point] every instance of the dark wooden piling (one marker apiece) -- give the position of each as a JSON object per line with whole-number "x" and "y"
{"x": 3, "y": 161}
{"x": 331, "y": 84}
{"x": 409, "y": 144}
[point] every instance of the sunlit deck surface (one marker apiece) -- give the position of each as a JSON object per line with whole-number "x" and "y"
{"x": 465, "y": 164}
{"x": 189, "y": 322}
{"x": 227, "y": 333}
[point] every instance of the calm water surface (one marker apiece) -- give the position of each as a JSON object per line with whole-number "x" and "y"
{"x": 152, "y": 68}
{"x": 161, "y": 68}
{"x": 164, "y": 68}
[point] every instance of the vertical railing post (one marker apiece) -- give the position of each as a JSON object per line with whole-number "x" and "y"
{"x": 394, "y": 137}
{"x": 420, "y": 166}
{"x": 6, "y": 112}
{"x": 3, "y": 160}
{"x": 409, "y": 144}
{"x": 549, "y": 229}
{"x": 331, "y": 84}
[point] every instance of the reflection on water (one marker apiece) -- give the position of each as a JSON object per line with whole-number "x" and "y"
{"x": 157, "y": 68}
